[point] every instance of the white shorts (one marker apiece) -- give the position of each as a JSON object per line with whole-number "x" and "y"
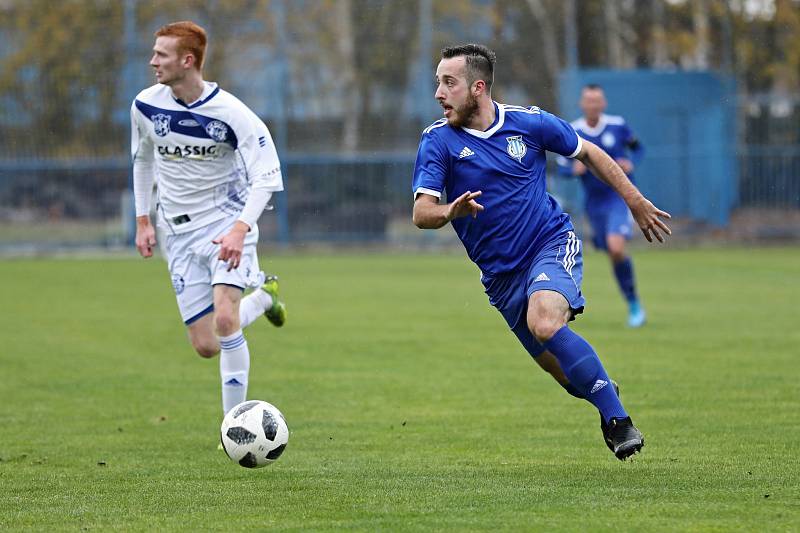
{"x": 195, "y": 267}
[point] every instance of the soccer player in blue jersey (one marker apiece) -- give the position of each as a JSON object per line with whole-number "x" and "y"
{"x": 608, "y": 214}
{"x": 489, "y": 160}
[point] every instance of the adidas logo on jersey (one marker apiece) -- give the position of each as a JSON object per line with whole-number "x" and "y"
{"x": 465, "y": 152}
{"x": 599, "y": 384}
{"x": 541, "y": 277}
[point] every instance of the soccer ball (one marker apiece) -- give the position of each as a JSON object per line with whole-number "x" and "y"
{"x": 254, "y": 434}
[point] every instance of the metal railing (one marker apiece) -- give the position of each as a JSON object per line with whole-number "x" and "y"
{"x": 47, "y": 204}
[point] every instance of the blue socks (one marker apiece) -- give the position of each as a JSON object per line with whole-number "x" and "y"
{"x": 585, "y": 372}
{"x": 572, "y": 391}
{"x": 623, "y": 271}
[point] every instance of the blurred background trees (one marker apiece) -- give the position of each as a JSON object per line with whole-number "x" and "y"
{"x": 69, "y": 69}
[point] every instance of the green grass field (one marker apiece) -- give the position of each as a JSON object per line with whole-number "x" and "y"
{"x": 411, "y": 405}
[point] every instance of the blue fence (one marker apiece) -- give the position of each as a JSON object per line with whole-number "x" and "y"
{"x": 687, "y": 121}
{"x": 47, "y": 204}
{"x": 769, "y": 177}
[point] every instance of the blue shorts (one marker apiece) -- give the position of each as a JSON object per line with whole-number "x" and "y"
{"x": 557, "y": 267}
{"x": 609, "y": 217}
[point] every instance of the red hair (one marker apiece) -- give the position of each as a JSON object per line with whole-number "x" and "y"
{"x": 191, "y": 39}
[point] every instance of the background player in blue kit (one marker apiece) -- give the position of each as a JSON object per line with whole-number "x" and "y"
{"x": 608, "y": 215}
{"x": 518, "y": 235}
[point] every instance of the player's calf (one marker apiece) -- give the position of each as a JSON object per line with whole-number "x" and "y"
{"x": 549, "y": 364}
{"x": 206, "y": 351}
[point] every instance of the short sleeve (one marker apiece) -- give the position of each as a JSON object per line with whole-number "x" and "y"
{"x": 558, "y": 135}
{"x": 430, "y": 167}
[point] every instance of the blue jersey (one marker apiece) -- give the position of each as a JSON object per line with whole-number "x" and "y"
{"x": 613, "y": 135}
{"x": 507, "y": 162}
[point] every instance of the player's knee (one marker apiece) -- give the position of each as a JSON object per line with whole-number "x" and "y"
{"x": 544, "y": 327}
{"x": 543, "y": 324}
{"x": 226, "y": 323}
{"x": 616, "y": 249}
{"x": 617, "y": 256}
{"x": 547, "y": 313}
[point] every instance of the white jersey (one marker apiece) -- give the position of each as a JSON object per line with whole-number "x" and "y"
{"x": 212, "y": 159}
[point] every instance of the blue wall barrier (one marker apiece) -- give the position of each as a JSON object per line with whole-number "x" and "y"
{"x": 687, "y": 123}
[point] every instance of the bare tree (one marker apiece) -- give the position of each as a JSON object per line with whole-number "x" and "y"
{"x": 620, "y": 36}
{"x": 548, "y": 32}
{"x": 613, "y": 33}
{"x": 659, "y": 56}
{"x": 700, "y": 25}
{"x": 345, "y": 40}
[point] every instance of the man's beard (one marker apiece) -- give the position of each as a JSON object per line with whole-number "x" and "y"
{"x": 463, "y": 115}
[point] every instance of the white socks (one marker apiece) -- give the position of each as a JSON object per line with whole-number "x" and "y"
{"x": 234, "y": 365}
{"x": 253, "y": 306}
{"x": 234, "y": 357}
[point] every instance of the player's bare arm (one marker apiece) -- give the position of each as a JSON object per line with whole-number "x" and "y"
{"x": 145, "y": 236}
{"x": 647, "y": 216}
{"x": 231, "y": 244}
{"x": 430, "y": 214}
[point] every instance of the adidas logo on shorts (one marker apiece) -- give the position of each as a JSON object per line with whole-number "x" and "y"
{"x": 541, "y": 277}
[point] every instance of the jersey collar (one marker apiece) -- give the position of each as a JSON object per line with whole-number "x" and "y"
{"x": 598, "y": 128}
{"x": 209, "y": 91}
{"x": 499, "y": 119}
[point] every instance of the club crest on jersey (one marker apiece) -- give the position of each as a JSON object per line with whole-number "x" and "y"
{"x": 178, "y": 283}
{"x": 217, "y": 130}
{"x": 161, "y": 124}
{"x": 608, "y": 139}
{"x": 516, "y": 147}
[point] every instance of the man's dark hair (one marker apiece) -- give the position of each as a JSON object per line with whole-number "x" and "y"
{"x": 480, "y": 61}
{"x": 593, "y": 86}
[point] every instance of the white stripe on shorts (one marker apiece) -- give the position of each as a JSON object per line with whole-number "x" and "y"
{"x": 572, "y": 248}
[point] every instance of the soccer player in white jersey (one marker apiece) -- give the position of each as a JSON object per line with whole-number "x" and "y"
{"x": 215, "y": 168}
{"x": 489, "y": 160}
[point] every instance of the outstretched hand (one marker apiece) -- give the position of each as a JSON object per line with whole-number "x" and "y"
{"x": 465, "y": 205}
{"x": 649, "y": 218}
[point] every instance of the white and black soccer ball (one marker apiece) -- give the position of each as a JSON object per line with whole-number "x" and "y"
{"x": 254, "y": 434}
